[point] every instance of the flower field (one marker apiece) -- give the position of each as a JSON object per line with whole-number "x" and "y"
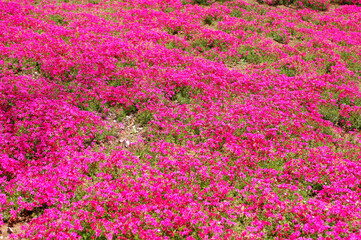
{"x": 184, "y": 119}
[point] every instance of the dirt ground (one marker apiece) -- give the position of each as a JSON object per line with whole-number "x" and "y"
{"x": 8, "y": 229}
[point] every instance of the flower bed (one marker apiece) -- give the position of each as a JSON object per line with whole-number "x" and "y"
{"x": 247, "y": 120}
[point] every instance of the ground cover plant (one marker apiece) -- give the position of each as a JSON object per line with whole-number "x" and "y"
{"x": 155, "y": 119}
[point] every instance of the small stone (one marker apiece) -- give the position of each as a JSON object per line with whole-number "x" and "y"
{"x": 135, "y": 129}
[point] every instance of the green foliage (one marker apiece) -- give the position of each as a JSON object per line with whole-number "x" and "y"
{"x": 119, "y": 113}
{"x": 102, "y": 136}
{"x": 204, "y": 45}
{"x": 185, "y": 2}
{"x": 288, "y": 70}
{"x": 355, "y": 121}
{"x": 168, "y": 10}
{"x": 21, "y": 66}
{"x": 306, "y": 17}
{"x": 66, "y": 39}
{"x": 315, "y": 5}
{"x": 283, "y": 2}
{"x": 277, "y": 164}
{"x": 209, "y": 19}
{"x": 279, "y": 37}
{"x": 58, "y": 19}
{"x": 69, "y": 75}
{"x": 117, "y": 81}
{"x": 88, "y": 233}
{"x": 353, "y": 61}
{"x": 93, "y": 169}
{"x": 173, "y": 31}
{"x": 223, "y": 1}
{"x": 250, "y": 55}
{"x": 123, "y": 64}
{"x": 256, "y": 8}
{"x": 255, "y": 56}
{"x": 202, "y": 2}
{"x": 143, "y": 151}
{"x": 173, "y": 45}
{"x": 12, "y": 199}
{"x": 286, "y": 2}
{"x": 350, "y": 102}
{"x": 206, "y": 2}
{"x": 252, "y": 9}
{"x": 328, "y": 66}
{"x": 236, "y": 13}
{"x": 330, "y": 112}
{"x": 144, "y": 117}
{"x": 182, "y": 95}
{"x": 310, "y": 189}
{"x": 93, "y": 105}
{"x": 323, "y": 129}
{"x": 129, "y": 110}
{"x": 239, "y": 132}
{"x": 94, "y": 1}
{"x": 201, "y": 45}
{"x": 241, "y": 183}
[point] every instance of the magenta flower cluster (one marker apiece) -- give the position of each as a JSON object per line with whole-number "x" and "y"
{"x": 249, "y": 118}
